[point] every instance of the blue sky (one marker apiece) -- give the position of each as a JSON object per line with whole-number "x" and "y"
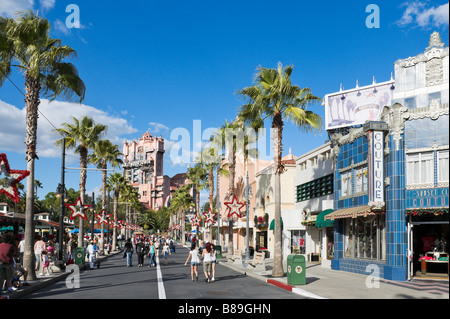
{"x": 159, "y": 65}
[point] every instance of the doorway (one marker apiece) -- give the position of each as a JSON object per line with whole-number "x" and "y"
{"x": 424, "y": 237}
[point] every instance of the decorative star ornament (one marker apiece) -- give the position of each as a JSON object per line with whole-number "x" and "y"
{"x": 8, "y": 184}
{"x": 209, "y": 216}
{"x": 115, "y": 223}
{"x": 101, "y": 219}
{"x": 196, "y": 221}
{"x": 234, "y": 208}
{"x": 78, "y": 209}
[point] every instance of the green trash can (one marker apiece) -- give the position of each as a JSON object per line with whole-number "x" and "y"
{"x": 219, "y": 252}
{"x": 296, "y": 270}
{"x": 79, "y": 256}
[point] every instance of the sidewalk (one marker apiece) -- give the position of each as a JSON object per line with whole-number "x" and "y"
{"x": 43, "y": 281}
{"x": 323, "y": 283}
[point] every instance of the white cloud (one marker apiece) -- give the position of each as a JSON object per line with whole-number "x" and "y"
{"x": 418, "y": 13}
{"x": 12, "y": 126}
{"x": 157, "y": 127}
{"x": 47, "y": 4}
{"x": 9, "y": 8}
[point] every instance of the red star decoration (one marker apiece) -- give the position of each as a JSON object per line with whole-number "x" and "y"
{"x": 234, "y": 207}
{"x": 196, "y": 221}
{"x": 209, "y": 216}
{"x": 8, "y": 184}
{"x": 78, "y": 209}
{"x": 101, "y": 219}
{"x": 115, "y": 223}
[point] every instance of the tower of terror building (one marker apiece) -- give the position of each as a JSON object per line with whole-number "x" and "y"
{"x": 143, "y": 163}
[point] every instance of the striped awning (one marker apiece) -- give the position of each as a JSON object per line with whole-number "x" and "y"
{"x": 351, "y": 212}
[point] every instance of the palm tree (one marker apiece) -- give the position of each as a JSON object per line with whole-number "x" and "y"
{"x": 115, "y": 183}
{"x": 273, "y": 96}
{"x": 220, "y": 138}
{"x": 182, "y": 201}
{"x": 26, "y": 45}
{"x": 197, "y": 177}
{"x": 81, "y": 135}
{"x": 105, "y": 152}
{"x": 129, "y": 195}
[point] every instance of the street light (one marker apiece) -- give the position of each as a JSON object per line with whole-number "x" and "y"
{"x": 248, "y": 194}
{"x": 93, "y": 211}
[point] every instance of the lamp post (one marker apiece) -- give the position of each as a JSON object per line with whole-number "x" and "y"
{"x": 93, "y": 216}
{"x": 248, "y": 193}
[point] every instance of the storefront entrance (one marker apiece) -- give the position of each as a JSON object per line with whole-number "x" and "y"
{"x": 428, "y": 244}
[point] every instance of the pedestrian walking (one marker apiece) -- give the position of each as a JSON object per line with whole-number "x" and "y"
{"x": 7, "y": 252}
{"x": 157, "y": 244}
{"x": 140, "y": 250}
{"x": 45, "y": 263}
{"x": 92, "y": 251}
{"x": 128, "y": 252}
{"x": 165, "y": 252}
{"x": 207, "y": 261}
{"x": 21, "y": 250}
{"x": 39, "y": 247}
{"x": 195, "y": 260}
{"x": 172, "y": 247}
{"x": 151, "y": 254}
{"x": 213, "y": 262}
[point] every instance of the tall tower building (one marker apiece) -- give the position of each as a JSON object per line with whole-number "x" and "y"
{"x": 143, "y": 163}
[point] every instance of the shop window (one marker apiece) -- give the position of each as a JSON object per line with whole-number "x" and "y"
{"x": 361, "y": 180}
{"x": 419, "y": 168}
{"x": 298, "y": 241}
{"x": 443, "y": 166}
{"x": 330, "y": 243}
{"x": 364, "y": 237}
{"x": 319, "y": 187}
{"x": 346, "y": 184}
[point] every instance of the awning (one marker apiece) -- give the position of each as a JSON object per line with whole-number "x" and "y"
{"x": 352, "y": 212}
{"x": 272, "y": 224}
{"x": 321, "y": 222}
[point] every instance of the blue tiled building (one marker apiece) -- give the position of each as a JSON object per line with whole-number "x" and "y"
{"x": 391, "y": 179}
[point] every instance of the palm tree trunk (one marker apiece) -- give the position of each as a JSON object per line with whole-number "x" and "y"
{"x": 277, "y": 126}
{"x": 32, "y": 89}
{"x": 211, "y": 198}
{"x": 116, "y": 200}
{"x": 102, "y": 236}
{"x": 183, "y": 227}
{"x": 83, "y": 175}
{"x": 231, "y": 194}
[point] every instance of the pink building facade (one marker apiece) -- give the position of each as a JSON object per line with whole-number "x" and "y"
{"x": 143, "y": 164}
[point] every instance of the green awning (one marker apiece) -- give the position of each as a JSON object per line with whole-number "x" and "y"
{"x": 272, "y": 224}
{"x": 321, "y": 222}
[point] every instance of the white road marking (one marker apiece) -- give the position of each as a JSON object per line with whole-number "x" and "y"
{"x": 161, "y": 290}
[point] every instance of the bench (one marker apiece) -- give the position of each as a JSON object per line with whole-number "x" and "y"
{"x": 236, "y": 257}
{"x": 258, "y": 262}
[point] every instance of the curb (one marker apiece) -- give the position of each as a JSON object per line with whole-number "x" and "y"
{"x": 46, "y": 282}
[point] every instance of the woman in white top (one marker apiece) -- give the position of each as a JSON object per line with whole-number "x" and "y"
{"x": 207, "y": 261}
{"x": 165, "y": 252}
{"x": 193, "y": 254}
{"x": 213, "y": 259}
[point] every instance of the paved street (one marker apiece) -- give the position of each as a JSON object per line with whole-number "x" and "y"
{"x": 114, "y": 280}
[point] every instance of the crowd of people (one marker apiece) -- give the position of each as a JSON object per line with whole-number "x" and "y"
{"x": 151, "y": 246}
{"x": 47, "y": 249}
{"x": 148, "y": 246}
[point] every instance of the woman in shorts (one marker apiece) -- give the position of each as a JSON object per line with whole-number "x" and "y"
{"x": 194, "y": 256}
